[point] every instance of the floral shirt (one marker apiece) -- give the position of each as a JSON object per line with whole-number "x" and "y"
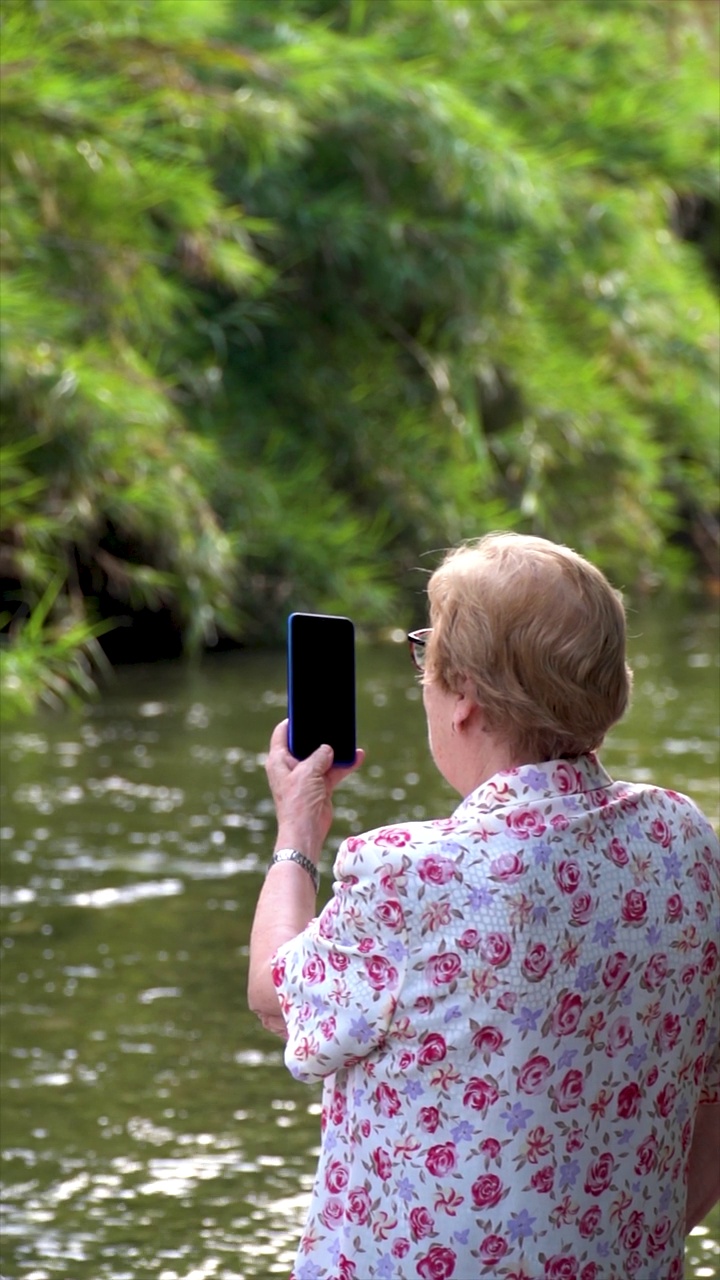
{"x": 515, "y": 1014}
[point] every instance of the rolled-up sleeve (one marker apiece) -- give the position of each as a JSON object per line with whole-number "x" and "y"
{"x": 339, "y": 981}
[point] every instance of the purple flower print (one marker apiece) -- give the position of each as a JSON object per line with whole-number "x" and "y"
{"x": 520, "y": 1226}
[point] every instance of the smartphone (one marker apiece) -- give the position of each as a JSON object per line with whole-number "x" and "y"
{"x": 321, "y": 685}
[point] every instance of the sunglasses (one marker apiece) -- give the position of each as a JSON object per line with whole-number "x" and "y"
{"x": 417, "y": 641}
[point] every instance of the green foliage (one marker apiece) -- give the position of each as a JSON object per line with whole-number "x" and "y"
{"x": 297, "y": 290}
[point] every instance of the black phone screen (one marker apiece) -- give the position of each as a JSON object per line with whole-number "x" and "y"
{"x": 321, "y": 685}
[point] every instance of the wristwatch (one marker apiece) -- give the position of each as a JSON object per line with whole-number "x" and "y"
{"x": 294, "y": 855}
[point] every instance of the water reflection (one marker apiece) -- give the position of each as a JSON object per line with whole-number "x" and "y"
{"x": 149, "y": 1127}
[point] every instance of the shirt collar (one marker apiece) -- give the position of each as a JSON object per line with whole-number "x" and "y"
{"x": 530, "y": 783}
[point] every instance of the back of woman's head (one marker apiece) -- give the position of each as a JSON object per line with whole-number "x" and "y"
{"x": 539, "y": 633}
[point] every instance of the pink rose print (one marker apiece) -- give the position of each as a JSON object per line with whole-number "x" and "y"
{"x": 589, "y": 1223}
{"x": 559, "y": 822}
{"x": 689, "y": 974}
{"x": 674, "y": 908}
{"x": 443, "y": 968}
{"x": 543, "y": 1179}
{"x": 665, "y": 1101}
{"x": 328, "y": 1026}
{"x": 424, "y": 1005}
{"x": 567, "y": 876}
{"x": 421, "y": 1224}
{"x": 507, "y": 1001}
{"x": 660, "y": 833}
{"x": 618, "y": 853}
{"x": 538, "y": 962}
{"x": 582, "y": 908}
{"x": 492, "y": 1249}
{"x": 534, "y": 1074}
{"x": 496, "y": 949}
{"x": 570, "y": 1090}
{"x": 435, "y": 870}
{"x": 710, "y": 959}
{"x": 390, "y": 912}
{"x": 633, "y": 1231}
{"x": 491, "y": 1148}
{"x": 619, "y": 1036}
{"x": 332, "y": 1214}
{"x": 701, "y": 876}
{"x": 488, "y": 1040}
{"x": 433, "y": 1049}
{"x": 337, "y": 1108}
{"x": 574, "y": 1141}
{"x": 469, "y": 940}
{"x": 566, "y": 1014}
{"x": 278, "y": 970}
{"x": 599, "y": 1175}
{"x": 508, "y": 866}
{"x": 438, "y": 1264}
{"x": 566, "y": 779}
{"x": 394, "y": 836}
{"x": 387, "y": 1100}
{"x": 347, "y": 1269}
{"x": 480, "y": 1094}
{"x": 400, "y": 1247}
{"x": 380, "y": 973}
{"x": 616, "y": 971}
{"x": 525, "y": 823}
{"x": 357, "y": 1206}
{"x": 487, "y": 1191}
{"x": 590, "y": 1271}
{"x": 442, "y": 1159}
{"x": 339, "y": 960}
{"x": 658, "y": 1237}
{"x": 628, "y": 1101}
{"x": 429, "y": 1119}
{"x": 382, "y": 1163}
{"x": 668, "y": 1032}
{"x": 562, "y": 1266}
{"x": 655, "y": 971}
{"x": 634, "y": 907}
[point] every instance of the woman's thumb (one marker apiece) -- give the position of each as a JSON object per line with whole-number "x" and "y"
{"x": 322, "y": 758}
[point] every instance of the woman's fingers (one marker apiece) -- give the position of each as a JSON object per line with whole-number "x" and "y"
{"x": 338, "y": 774}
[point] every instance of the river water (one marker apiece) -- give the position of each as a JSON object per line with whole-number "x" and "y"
{"x": 149, "y": 1128}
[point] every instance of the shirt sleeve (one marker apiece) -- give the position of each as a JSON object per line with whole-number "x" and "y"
{"x": 338, "y": 982}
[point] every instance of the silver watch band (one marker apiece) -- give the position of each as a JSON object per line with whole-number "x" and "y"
{"x": 294, "y": 855}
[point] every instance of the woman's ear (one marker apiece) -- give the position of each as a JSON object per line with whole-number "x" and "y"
{"x": 467, "y": 712}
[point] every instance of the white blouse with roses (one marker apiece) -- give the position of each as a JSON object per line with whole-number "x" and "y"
{"x": 515, "y": 1014}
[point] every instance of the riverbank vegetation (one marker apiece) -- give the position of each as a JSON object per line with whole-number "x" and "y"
{"x": 296, "y": 291}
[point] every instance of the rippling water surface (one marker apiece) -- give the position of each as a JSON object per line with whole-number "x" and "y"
{"x": 149, "y": 1128}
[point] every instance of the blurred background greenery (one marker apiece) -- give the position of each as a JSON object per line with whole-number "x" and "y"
{"x": 295, "y": 291}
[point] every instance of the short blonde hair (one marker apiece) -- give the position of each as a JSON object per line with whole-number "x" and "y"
{"x": 540, "y": 634}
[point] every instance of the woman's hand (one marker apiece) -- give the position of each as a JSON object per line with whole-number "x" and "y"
{"x": 302, "y": 793}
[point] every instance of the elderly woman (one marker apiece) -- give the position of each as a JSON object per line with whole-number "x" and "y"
{"x": 514, "y": 1008}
